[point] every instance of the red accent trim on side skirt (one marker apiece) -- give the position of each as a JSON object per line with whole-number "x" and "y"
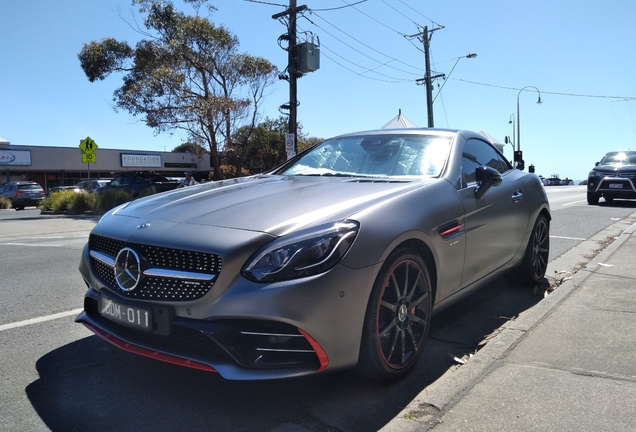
{"x": 322, "y": 356}
{"x": 146, "y": 352}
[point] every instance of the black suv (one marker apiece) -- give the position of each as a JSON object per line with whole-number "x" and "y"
{"x": 613, "y": 177}
{"x": 137, "y": 183}
{"x": 23, "y": 194}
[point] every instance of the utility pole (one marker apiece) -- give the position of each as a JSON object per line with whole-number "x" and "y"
{"x": 292, "y": 66}
{"x": 428, "y": 79}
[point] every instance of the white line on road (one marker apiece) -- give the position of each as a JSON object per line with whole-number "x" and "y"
{"x": 24, "y": 323}
{"x": 573, "y": 202}
{"x": 568, "y": 238}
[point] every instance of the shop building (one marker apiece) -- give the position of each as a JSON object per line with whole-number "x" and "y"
{"x": 66, "y": 166}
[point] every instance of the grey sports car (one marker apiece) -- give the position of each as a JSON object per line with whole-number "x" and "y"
{"x": 336, "y": 259}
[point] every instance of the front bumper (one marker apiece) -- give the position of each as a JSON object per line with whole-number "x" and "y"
{"x": 612, "y": 186}
{"x": 246, "y": 330}
{"x": 238, "y": 349}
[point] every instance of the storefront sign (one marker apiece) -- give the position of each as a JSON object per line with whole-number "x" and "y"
{"x": 15, "y": 157}
{"x": 140, "y": 160}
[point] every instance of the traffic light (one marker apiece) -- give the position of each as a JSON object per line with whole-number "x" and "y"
{"x": 521, "y": 165}
{"x": 518, "y": 156}
{"x": 531, "y": 169}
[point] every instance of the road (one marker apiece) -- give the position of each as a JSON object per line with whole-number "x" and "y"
{"x": 57, "y": 376}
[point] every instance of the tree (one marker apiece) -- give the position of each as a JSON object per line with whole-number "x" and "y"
{"x": 261, "y": 148}
{"x": 188, "y": 75}
{"x": 191, "y": 148}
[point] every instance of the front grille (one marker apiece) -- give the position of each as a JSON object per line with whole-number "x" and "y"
{"x": 156, "y": 257}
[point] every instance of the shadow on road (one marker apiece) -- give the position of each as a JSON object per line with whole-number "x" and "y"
{"x": 90, "y": 385}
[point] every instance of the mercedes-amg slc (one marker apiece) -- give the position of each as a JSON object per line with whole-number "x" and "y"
{"x": 336, "y": 259}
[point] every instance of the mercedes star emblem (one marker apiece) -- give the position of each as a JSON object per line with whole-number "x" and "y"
{"x": 127, "y": 269}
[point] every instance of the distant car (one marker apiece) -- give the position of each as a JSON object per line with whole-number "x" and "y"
{"x": 138, "y": 183}
{"x": 613, "y": 177}
{"x": 92, "y": 185}
{"x": 556, "y": 181}
{"x": 62, "y": 188}
{"x": 23, "y": 194}
{"x": 337, "y": 258}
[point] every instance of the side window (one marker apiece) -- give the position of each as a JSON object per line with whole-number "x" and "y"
{"x": 478, "y": 153}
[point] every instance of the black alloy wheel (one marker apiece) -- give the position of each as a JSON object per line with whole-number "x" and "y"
{"x": 398, "y": 317}
{"x": 535, "y": 262}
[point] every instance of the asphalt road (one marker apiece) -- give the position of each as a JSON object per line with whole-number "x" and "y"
{"x": 57, "y": 376}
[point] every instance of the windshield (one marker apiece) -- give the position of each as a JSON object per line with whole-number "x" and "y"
{"x": 619, "y": 158}
{"x": 376, "y": 156}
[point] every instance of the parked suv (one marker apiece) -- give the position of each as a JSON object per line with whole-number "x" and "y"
{"x": 613, "y": 177}
{"x": 139, "y": 182}
{"x": 23, "y": 194}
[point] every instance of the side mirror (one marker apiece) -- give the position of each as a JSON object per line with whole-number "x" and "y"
{"x": 596, "y": 164}
{"x": 486, "y": 178}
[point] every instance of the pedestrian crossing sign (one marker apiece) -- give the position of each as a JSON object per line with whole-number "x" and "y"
{"x": 88, "y": 146}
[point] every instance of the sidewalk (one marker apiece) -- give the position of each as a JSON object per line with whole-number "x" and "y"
{"x": 568, "y": 364}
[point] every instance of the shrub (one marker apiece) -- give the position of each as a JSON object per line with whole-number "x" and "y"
{"x": 58, "y": 202}
{"x": 111, "y": 198}
{"x": 5, "y": 203}
{"x": 82, "y": 202}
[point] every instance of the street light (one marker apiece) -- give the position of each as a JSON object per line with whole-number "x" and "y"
{"x": 470, "y": 56}
{"x": 518, "y": 119}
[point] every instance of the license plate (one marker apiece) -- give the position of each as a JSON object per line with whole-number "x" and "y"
{"x": 616, "y": 185}
{"x": 130, "y": 316}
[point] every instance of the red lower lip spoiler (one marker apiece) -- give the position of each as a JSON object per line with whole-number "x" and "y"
{"x": 146, "y": 352}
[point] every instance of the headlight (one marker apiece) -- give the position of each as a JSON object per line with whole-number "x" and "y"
{"x": 595, "y": 174}
{"x": 301, "y": 254}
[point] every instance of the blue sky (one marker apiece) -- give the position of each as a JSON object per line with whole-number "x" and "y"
{"x": 577, "y": 53}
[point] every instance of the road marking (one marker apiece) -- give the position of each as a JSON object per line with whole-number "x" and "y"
{"x": 38, "y": 320}
{"x": 568, "y": 238}
{"x": 573, "y": 202}
{"x": 33, "y": 245}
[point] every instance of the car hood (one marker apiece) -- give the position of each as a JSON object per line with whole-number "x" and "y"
{"x": 271, "y": 204}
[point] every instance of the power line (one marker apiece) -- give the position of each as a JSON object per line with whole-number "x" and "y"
{"x": 405, "y": 16}
{"x": 419, "y": 13}
{"x": 265, "y": 3}
{"x": 392, "y": 81}
{"x": 547, "y": 92}
{"x": 365, "y": 45}
{"x": 341, "y": 7}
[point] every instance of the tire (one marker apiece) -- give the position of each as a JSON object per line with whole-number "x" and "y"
{"x": 398, "y": 317}
{"x": 592, "y": 199}
{"x": 535, "y": 261}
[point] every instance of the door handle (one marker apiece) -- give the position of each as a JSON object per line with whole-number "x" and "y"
{"x": 517, "y": 196}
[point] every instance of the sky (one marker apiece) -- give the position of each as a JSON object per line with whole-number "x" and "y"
{"x": 576, "y": 55}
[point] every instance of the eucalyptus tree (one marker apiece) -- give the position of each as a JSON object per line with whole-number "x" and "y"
{"x": 185, "y": 74}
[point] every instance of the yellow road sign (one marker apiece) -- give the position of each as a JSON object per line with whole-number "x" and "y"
{"x": 89, "y": 158}
{"x": 88, "y": 146}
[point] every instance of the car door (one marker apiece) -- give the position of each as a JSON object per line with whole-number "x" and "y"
{"x": 496, "y": 224}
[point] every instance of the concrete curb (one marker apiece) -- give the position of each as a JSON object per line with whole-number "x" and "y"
{"x": 431, "y": 404}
